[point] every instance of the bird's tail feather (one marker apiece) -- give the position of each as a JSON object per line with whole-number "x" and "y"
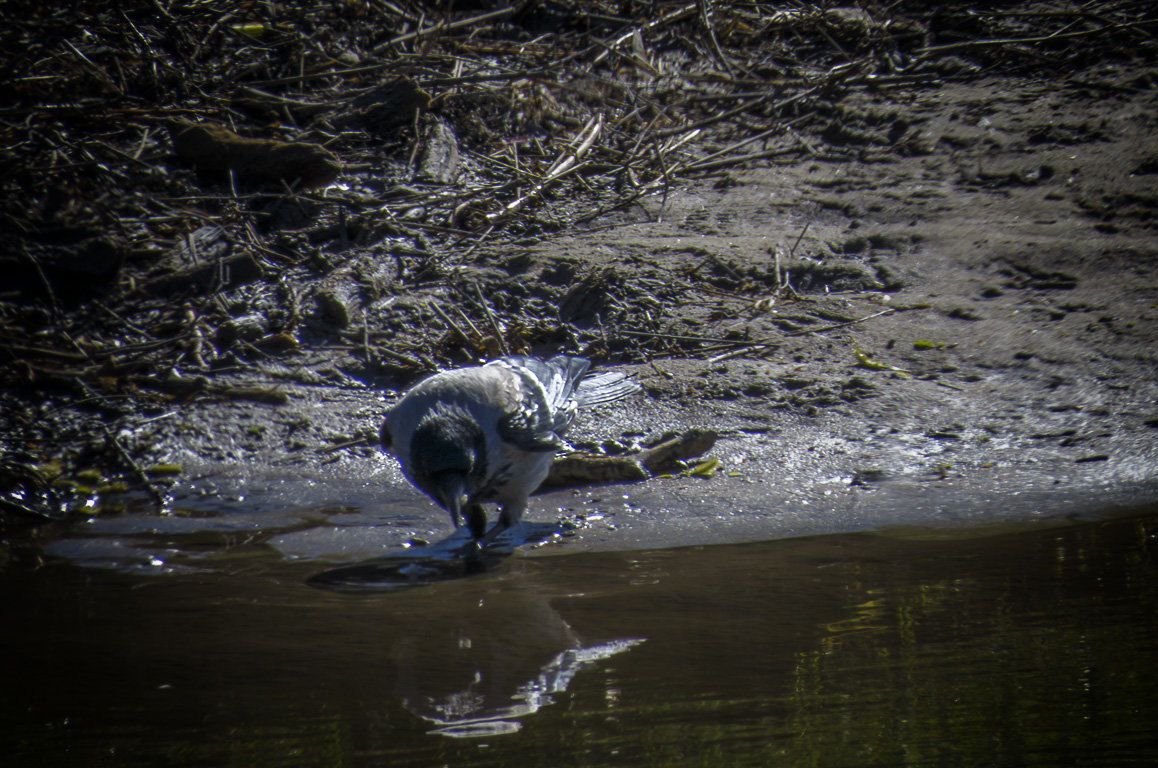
{"x": 604, "y": 387}
{"x": 564, "y": 376}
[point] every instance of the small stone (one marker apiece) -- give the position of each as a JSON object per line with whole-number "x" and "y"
{"x": 439, "y": 161}
{"x": 334, "y": 308}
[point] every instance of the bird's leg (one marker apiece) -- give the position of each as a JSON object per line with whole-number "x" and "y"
{"x": 476, "y": 518}
{"x": 509, "y": 515}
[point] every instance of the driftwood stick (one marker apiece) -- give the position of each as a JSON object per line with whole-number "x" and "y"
{"x": 564, "y": 164}
{"x": 463, "y": 335}
{"x": 482, "y": 18}
{"x": 693, "y": 443}
{"x": 706, "y": 20}
{"x": 492, "y": 320}
{"x": 676, "y": 15}
{"x": 135, "y": 468}
{"x": 965, "y": 44}
{"x": 578, "y": 469}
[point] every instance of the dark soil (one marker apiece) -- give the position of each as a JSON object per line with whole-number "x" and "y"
{"x": 864, "y": 245}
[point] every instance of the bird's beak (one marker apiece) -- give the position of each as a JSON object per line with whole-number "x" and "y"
{"x": 453, "y": 489}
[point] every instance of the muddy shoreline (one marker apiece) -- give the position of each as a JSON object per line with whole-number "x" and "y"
{"x": 929, "y": 298}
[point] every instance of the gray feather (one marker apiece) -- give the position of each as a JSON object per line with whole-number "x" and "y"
{"x": 604, "y": 387}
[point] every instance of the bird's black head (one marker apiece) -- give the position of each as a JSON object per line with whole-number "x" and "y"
{"x": 447, "y": 452}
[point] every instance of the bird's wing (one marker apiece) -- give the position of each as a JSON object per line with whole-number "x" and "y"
{"x": 543, "y": 400}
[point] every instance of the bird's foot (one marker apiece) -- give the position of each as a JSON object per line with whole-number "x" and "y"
{"x": 496, "y": 531}
{"x": 473, "y": 551}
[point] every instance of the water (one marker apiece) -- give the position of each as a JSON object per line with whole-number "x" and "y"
{"x": 1035, "y": 647}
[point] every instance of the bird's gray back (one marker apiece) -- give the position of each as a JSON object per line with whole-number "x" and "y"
{"x": 486, "y": 394}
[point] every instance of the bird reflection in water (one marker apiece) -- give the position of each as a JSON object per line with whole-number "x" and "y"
{"x": 465, "y": 714}
{"x": 479, "y": 656}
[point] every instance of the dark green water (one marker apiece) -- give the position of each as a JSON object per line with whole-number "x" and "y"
{"x": 1031, "y": 648}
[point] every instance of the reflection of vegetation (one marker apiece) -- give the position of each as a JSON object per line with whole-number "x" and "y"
{"x": 1043, "y": 665}
{"x": 1030, "y": 649}
{"x": 321, "y": 742}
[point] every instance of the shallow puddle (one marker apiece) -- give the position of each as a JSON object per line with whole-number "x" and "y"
{"x": 1032, "y": 648}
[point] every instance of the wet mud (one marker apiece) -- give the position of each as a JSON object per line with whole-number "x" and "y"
{"x": 918, "y": 286}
